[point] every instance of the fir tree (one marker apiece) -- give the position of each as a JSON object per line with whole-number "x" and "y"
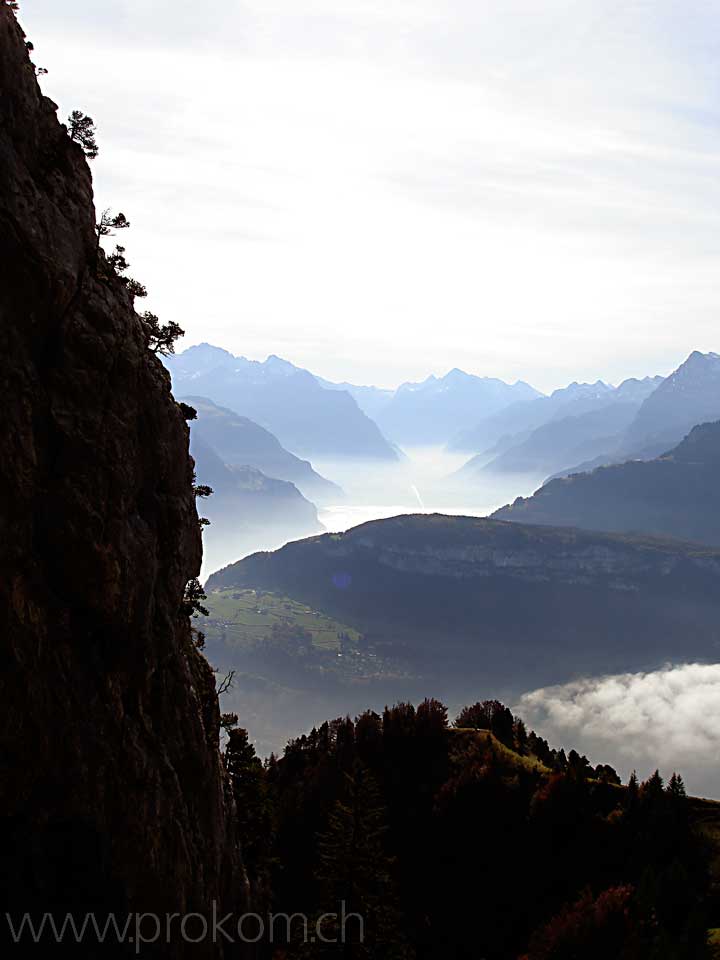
{"x": 355, "y": 874}
{"x": 81, "y": 128}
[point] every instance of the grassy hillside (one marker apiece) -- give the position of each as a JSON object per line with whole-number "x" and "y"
{"x": 468, "y": 600}
{"x": 294, "y": 664}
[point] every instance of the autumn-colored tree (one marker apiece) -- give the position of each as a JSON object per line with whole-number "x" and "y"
{"x": 594, "y": 928}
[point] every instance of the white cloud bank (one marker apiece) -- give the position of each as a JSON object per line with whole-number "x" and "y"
{"x": 669, "y": 718}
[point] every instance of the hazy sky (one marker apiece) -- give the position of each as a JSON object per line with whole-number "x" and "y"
{"x": 380, "y": 189}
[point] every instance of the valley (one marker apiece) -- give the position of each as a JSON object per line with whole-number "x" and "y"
{"x": 431, "y": 666}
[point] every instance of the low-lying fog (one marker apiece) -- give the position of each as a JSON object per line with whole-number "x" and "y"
{"x": 665, "y": 718}
{"x": 424, "y": 481}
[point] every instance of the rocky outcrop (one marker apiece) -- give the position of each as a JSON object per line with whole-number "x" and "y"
{"x": 111, "y": 785}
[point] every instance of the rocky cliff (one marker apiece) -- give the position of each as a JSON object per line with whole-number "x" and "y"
{"x": 111, "y": 785}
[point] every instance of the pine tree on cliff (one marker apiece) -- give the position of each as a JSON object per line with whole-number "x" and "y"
{"x": 161, "y": 338}
{"x": 192, "y": 604}
{"x": 81, "y": 128}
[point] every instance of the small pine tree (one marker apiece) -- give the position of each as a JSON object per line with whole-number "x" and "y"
{"x": 118, "y": 265}
{"x": 116, "y": 260}
{"x": 108, "y": 223}
{"x": 228, "y": 720}
{"x": 81, "y": 128}
{"x": 192, "y": 605}
{"x": 135, "y": 288}
{"x": 676, "y": 786}
{"x": 160, "y": 338}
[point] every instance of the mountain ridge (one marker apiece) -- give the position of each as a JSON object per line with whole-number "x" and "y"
{"x": 676, "y": 494}
{"x": 508, "y": 600}
{"x": 288, "y": 401}
{"x": 242, "y": 442}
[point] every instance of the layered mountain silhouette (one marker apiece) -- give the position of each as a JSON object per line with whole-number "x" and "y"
{"x": 289, "y": 402}
{"x": 371, "y": 400}
{"x": 247, "y": 510}
{"x": 239, "y": 441}
{"x": 689, "y": 396}
{"x": 472, "y": 601}
{"x": 598, "y": 419}
{"x": 510, "y": 428}
{"x": 676, "y": 495}
{"x": 432, "y": 411}
{"x": 560, "y": 442}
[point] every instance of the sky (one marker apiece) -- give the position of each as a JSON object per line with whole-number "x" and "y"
{"x": 378, "y": 190}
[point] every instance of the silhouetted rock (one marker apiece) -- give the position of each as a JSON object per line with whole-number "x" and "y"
{"x": 111, "y": 785}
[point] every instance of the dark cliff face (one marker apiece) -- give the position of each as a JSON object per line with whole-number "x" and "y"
{"x": 111, "y": 786}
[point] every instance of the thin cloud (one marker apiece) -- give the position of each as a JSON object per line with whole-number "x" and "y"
{"x": 526, "y": 185}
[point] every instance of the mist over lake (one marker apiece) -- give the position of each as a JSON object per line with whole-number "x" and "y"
{"x": 424, "y": 480}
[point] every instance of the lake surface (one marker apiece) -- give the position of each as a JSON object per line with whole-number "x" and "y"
{"x": 424, "y": 480}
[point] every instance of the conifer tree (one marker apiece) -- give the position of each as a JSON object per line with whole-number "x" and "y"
{"x": 676, "y": 787}
{"x": 355, "y": 874}
{"x": 81, "y": 128}
{"x": 252, "y": 799}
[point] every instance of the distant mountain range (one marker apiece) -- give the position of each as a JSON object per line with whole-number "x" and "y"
{"x": 473, "y": 602}
{"x": 432, "y": 411}
{"x": 689, "y": 396}
{"x": 511, "y": 427}
{"x": 675, "y": 495}
{"x": 586, "y": 426}
{"x": 371, "y": 400}
{"x": 582, "y": 424}
{"x": 289, "y": 402}
{"x": 241, "y": 442}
